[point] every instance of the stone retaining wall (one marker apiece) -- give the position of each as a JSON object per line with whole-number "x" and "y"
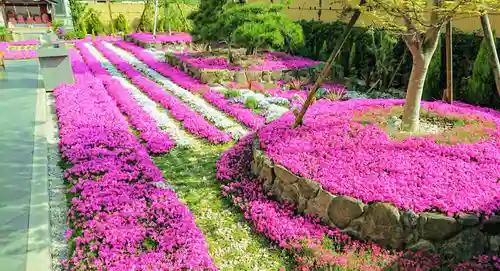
{"x": 456, "y": 238}
{"x": 157, "y": 45}
{"x": 207, "y": 76}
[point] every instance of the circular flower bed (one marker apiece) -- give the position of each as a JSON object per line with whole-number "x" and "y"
{"x": 350, "y": 153}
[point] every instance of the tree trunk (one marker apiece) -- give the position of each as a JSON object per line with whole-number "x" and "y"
{"x": 328, "y": 65}
{"x": 4, "y": 15}
{"x": 490, "y": 41}
{"x": 111, "y": 18}
{"x": 411, "y": 115}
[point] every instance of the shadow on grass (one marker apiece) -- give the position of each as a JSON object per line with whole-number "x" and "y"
{"x": 232, "y": 242}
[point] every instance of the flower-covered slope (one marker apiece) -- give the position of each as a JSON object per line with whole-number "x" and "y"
{"x": 315, "y": 246}
{"x": 118, "y": 217}
{"x": 238, "y": 111}
{"x": 191, "y": 121}
{"x": 179, "y": 37}
{"x": 361, "y": 161}
{"x": 157, "y": 141}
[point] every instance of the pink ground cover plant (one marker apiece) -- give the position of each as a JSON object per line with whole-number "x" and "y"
{"x": 315, "y": 246}
{"x": 175, "y": 37}
{"x": 350, "y": 158}
{"x": 270, "y": 61}
{"x": 209, "y": 63}
{"x": 238, "y": 111}
{"x": 280, "y": 60}
{"x": 119, "y": 220}
{"x": 191, "y": 121}
{"x": 157, "y": 141}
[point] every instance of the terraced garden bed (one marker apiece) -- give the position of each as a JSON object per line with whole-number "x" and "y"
{"x": 213, "y": 67}
{"x": 437, "y": 191}
{"x": 167, "y": 41}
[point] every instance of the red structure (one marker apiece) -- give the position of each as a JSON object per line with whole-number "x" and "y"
{"x": 26, "y": 13}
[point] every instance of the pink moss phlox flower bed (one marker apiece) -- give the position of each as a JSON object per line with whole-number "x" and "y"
{"x": 272, "y": 61}
{"x": 349, "y": 158}
{"x": 157, "y": 141}
{"x": 191, "y": 121}
{"x": 119, "y": 220}
{"x": 18, "y": 54}
{"x": 280, "y": 60}
{"x": 314, "y": 246}
{"x": 238, "y": 111}
{"x": 209, "y": 63}
{"x": 176, "y": 37}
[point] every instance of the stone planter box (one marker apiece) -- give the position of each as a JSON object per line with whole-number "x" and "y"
{"x": 218, "y": 76}
{"x": 455, "y": 238}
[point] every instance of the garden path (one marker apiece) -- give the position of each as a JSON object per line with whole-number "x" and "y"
{"x": 23, "y": 208}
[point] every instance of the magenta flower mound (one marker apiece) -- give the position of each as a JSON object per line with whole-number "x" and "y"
{"x": 119, "y": 220}
{"x": 244, "y": 115}
{"x": 210, "y": 63}
{"x": 191, "y": 121}
{"x": 157, "y": 141}
{"x": 175, "y": 37}
{"x": 279, "y": 61}
{"x": 18, "y": 54}
{"x": 348, "y": 158}
{"x": 313, "y": 245}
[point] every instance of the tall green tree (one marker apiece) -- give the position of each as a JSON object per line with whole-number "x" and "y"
{"x": 77, "y": 9}
{"x": 204, "y": 19}
{"x": 481, "y": 85}
{"x": 146, "y": 21}
{"x": 255, "y": 26}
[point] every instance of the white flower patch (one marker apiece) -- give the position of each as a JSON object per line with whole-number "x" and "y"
{"x": 150, "y": 106}
{"x": 194, "y": 102}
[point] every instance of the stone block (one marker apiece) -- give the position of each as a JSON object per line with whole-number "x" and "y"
{"x": 285, "y": 175}
{"x": 467, "y": 220}
{"x": 434, "y": 226}
{"x": 462, "y": 247}
{"x": 290, "y": 193}
{"x": 342, "y": 210}
{"x": 240, "y": 77}
{"x": 318, "y": 206}
{"x": 383, "y": 225}
{"x": 492, "y": 225}
{"x": 423, "y": 245}
{"x": 308, "y": 188}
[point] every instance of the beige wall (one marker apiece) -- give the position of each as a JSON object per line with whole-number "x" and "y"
{"x": 310, "y": 10}
{"x": 132, "y": 12}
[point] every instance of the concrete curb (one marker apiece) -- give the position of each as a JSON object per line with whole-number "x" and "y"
{"x": 38, "y": 254}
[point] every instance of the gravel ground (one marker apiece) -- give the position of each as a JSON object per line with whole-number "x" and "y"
{"x": 58, "y": 207}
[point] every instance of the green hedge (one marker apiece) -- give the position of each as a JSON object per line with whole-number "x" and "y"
{"x": 320, "y": 39}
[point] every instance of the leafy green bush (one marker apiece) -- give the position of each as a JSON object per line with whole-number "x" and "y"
{"x": 121, "y": 24}
{"x": 204, "y": 19}
{"x": 91, "y": 23}
{"x": 146, "y": 23}
{"x": 56, "y": 24}
{"x": 251, "y": 103}
{"x": 174, "y": 19}
{"x": 230, "y": 93}
{"x": 255, "y": 26}
{"x": 481, "y": 86}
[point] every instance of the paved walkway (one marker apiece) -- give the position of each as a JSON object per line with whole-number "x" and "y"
{"x": 23, "y": 192}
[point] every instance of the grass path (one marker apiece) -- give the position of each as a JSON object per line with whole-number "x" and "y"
{"x": 232, "y": 243}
